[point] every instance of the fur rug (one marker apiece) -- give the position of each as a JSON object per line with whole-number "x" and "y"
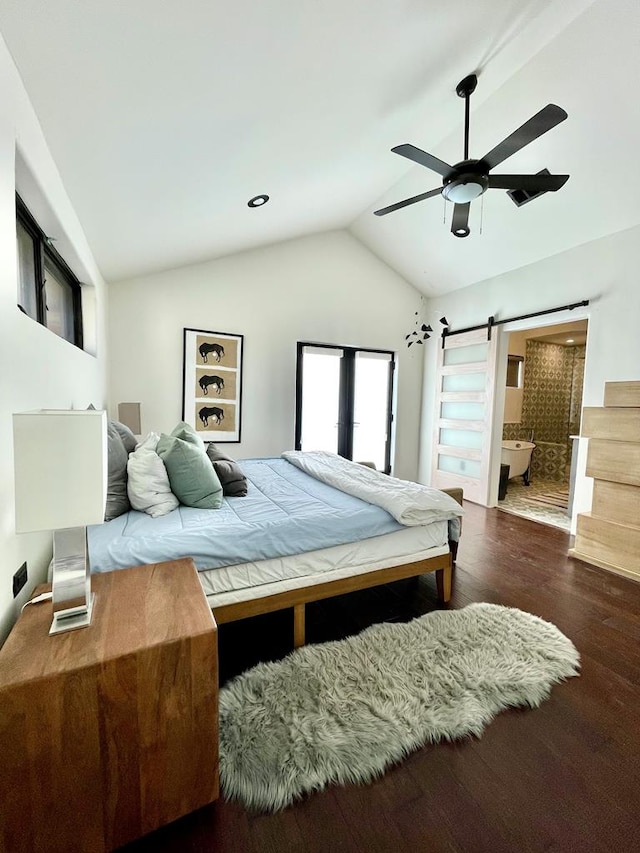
{"x": 342, "y": 712}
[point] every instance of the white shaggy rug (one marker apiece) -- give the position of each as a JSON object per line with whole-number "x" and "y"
{"x": 344, "y": 711}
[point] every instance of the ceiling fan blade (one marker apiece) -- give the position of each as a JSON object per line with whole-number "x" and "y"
{"x": 530, "y": 183}
{"x": 407, "y": 201}
{"x": 422, "y": 158}
{"x": 540, "y": 123}
{"x": 460, "y": 220}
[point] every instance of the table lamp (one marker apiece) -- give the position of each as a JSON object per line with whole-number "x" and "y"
{"x": 61, "y": 472}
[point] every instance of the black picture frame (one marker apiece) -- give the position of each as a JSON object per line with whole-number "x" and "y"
{"x": 212, "y": 384}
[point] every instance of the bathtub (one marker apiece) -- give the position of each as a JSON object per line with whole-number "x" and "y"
{"x": 517, "y": 455}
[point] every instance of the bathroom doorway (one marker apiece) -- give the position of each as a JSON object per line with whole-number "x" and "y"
{"x": 543, "y": 405}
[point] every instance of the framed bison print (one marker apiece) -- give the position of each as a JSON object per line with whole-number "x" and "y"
{"x": 212, "y": 384}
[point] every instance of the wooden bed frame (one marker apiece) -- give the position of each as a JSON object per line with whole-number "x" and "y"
{"x": 297, "y": 598}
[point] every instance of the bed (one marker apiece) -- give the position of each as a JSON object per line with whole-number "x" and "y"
{"x": 311, "y": 526}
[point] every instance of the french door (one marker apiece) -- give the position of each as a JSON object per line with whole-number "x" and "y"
{"x": 343, "y": 402}
{"x": 464, "y": 414}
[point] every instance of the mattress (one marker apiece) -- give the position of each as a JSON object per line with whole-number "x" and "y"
{"x": 267, "y": 577}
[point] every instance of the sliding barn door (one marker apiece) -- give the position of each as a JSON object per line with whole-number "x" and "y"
{"x": 464, "y": 414}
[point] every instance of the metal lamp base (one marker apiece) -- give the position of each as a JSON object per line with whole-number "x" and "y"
{"x": 73, "y": 617}
{"x": 72, "y": 596}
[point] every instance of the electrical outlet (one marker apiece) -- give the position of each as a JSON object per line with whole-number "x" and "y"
{"x": 19, "y": 579}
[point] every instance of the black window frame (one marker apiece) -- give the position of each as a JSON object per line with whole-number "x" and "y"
{"x": 45, "y": 251}
{"x": 346, "y": 402}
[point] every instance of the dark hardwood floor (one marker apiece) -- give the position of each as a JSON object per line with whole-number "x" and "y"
{"x": 563, "y": 777}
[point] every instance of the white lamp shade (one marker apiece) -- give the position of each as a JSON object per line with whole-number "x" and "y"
{"x": 61, "y": 468}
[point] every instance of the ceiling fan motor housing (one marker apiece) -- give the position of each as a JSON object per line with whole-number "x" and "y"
{"x": 466, "y": 180}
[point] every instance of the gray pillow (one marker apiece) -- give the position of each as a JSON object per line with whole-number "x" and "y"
{"x": 117, "y": 498}
{"x": 128, "y": 438}
{"x": 234, "y": 482}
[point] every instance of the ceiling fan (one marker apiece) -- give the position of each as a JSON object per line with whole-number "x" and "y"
{"x": 468, "y": 179}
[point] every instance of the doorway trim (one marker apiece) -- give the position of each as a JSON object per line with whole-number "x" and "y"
{"x": 346, "y": 403}
{"x": 561, "y": 318}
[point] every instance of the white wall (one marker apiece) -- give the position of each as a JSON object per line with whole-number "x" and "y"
{"x": 327, "y": 288}
{"x": 604, "y": 271}
{"x": 38, "y": 369}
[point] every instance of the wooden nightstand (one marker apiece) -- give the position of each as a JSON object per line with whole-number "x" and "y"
{"x": 110, "y": 731}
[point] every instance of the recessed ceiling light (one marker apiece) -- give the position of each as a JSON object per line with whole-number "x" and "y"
{"x": 569, "y": 340}
{"x": 258, "y": 200}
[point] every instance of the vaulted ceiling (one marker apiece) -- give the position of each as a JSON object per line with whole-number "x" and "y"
{"x": 165, "y": 119}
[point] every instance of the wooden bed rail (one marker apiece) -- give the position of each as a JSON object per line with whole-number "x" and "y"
{"x": 297, "y": 598}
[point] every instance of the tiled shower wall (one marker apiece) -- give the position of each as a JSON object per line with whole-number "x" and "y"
{"x": 552, "y": 403}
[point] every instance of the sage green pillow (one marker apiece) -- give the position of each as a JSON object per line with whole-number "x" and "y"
{"x": 187, "y": 433}
{"x": 192, "y": 478}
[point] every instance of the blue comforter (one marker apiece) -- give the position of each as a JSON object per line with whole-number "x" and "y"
{"x": 284, "y": 512}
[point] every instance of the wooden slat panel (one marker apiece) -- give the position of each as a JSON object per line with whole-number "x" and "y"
{"x": 457, "y": 423}
{"x": 608, "y": 542}
{"x": 613, "y": 424}
{"x": 618, "y": 461}
{"x": 460, "y": 452}
{"x": 479, "y": 336}
{"x": 622, "y": 394}
{"x": 470, "y": 367}
{"x": 617, "y": 502}
{"x": 463, "y": 396}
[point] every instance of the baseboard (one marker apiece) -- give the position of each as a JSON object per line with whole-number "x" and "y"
{"x": 618, "y": 570}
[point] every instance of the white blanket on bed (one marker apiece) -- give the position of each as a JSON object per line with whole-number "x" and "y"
{"x": 409, "y": 503}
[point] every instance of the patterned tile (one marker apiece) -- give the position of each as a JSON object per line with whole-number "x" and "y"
{"x": 517, "y": 503}
{"x": 549, "y": 461}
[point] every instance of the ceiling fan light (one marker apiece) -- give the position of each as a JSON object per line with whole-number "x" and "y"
{"x": 462, "y": 193}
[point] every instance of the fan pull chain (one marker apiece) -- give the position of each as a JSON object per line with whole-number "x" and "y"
{"x": 444, "y": 210}
{"x": 481, "y": 212}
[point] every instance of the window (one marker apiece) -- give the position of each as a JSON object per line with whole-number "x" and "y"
{"x": 47, "y": 289}
{"x": 343, "y": 402}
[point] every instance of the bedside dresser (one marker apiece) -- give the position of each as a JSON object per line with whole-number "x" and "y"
{"x": 111, "y": 731}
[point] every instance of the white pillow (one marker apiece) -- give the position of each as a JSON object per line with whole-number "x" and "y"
{"x": 148, "y": 482}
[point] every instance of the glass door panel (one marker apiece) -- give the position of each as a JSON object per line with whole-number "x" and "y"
{"x": 456, "y": 465}
{"x": 461, "y": 438}
{"x": 462, "y": 411}
{"x": 471, "y": 354}
{"x": 371, "y": 408}
{"x": 476, "y": 381}
{"x": 321, "y": 398}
